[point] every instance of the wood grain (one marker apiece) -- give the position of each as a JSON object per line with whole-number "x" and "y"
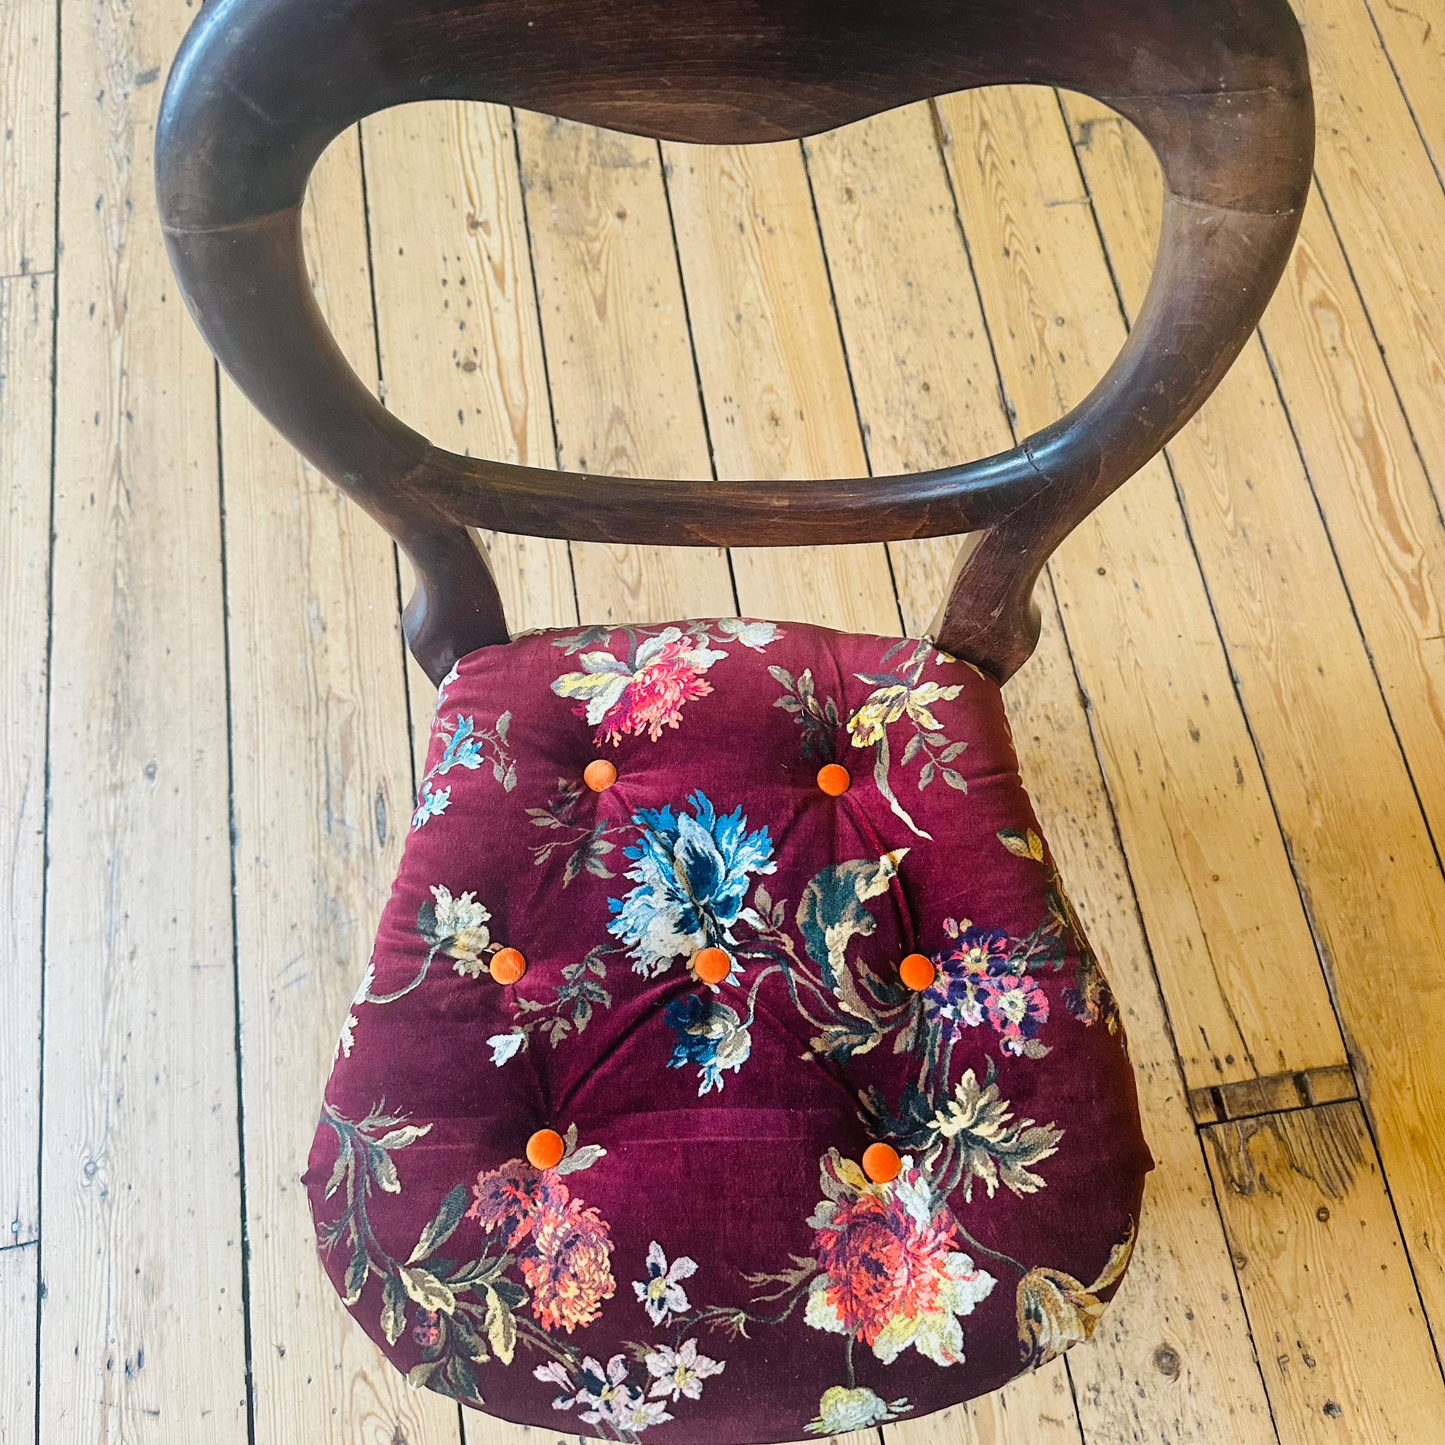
{"x": 17, "y": 1344}
{"x": 1235, "y": 954}
{"x": 1035, "y": 1409}
{"x": 26, "y": 314}
{"x": 1343, "y": 1344}
{"x": 1375, "y": 496}
{"x": 1358, "y": 841}
{"x": 322, "y": 790}
{"x": 1386, "y": 203}
{"x": 624, "y": 392}
{"x": 461, "y": 349}
{"x": 1413, "y": 37}
{"x": 773, "y": 374}
{"x": 27, "y": 136}
{"x": 27, "y": 307}
{"x": 920, "y": 359}
{"x": 142, "y": 1323}
{"x": 27, "y": 302}
{"x": 918, "y": 349}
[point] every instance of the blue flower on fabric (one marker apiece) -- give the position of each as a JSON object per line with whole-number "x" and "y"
{"x": 710, "y": 1035}
{"x": 692, "y": 878}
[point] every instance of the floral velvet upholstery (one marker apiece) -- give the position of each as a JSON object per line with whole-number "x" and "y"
{"x": 709, "y": 1261}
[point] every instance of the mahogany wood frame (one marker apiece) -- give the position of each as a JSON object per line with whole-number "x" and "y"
{"x": 1220, "y": 88}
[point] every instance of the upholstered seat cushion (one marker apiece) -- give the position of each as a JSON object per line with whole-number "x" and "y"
{"x": 709, "y": 1261}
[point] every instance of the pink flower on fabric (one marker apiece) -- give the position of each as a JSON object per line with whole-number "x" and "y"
{"x": 644, "y": 693}
{"x": 512, "y": 1197}
{"x": 1016, "y": 1006}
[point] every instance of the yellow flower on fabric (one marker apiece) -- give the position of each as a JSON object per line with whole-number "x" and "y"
{"x": 842, "y": 1409}
{"x": 886, "y": 705}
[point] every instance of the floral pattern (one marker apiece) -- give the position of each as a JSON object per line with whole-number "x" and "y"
{"x": 902, "y": 694}
{"x": 891, "y": 1281}
{"x": 644, "y": 691}
{"x": 467, "y": 746}
{"x": 465, "y": 1314}
{"x": 680, "y": 1373}
{"x": 692, "y": 877}
{"x": 661, "y": 1293}
{"x": 609, "y": 1394}
{"x": 711, "y": 1035}
{"x": 1055, "y": 1311}
{"x": 842, "y": 1409}
{"x": 889, "y": 1271}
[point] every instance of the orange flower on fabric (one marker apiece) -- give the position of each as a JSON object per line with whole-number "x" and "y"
{"x": 890, "y": 1272}
{"x": 562, "y": 1246}
{"x": 567, "y": 1267}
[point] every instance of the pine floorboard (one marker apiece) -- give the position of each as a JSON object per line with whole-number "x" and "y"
{"x": 1233, "y": 729}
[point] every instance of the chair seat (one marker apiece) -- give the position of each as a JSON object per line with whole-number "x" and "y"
{"x": 710, "y": 1260}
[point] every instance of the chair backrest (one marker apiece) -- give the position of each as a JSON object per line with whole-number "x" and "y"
{"x": 1220, "y": 88}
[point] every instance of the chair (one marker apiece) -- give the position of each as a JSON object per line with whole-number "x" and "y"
{"x": 705, "y": 1081}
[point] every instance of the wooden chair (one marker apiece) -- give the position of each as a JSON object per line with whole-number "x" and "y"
{"x": 1220, "y": 88}
{"x": 925, "y": 971}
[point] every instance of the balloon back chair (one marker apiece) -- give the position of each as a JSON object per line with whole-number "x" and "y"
{"x": 764, "y": 1102}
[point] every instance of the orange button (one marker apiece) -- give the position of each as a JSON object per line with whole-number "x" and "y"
{"x": 599, "y": 775}
{"x": 545, "y": 1149}
{"x": 880, "y": 1162}
{"x": 834, "y": 780}
{"x": 917, "y": 972}
{"x": 508, "y": 965}
{"x": 711, "y": 965}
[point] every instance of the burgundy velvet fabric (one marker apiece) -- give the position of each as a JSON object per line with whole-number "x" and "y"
{"x": 709, "y": 1263}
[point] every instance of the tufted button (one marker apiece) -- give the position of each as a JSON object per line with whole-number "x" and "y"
{"x": 508, "y": 965}
{"x": 880, "y": 1162}
{"x": 834, "y": 780}
{"x": 545, "y": 1149}
{"x": 599, "y": 775}
{"x": 917, "y": 972}
{"x": 711, "y": 965}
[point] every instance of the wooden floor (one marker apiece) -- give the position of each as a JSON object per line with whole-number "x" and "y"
{"x": 1234, "y": 727}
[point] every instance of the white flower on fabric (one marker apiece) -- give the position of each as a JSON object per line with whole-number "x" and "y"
{"x": 458, "y": 927}
{"x": 661, "y": 1293}
{"x": 346, "y": 1041}
{"x": 363, "y": 991}
{"x": 611, "y": 1399}
{"x": 754, "y": 635}
{"x": 680, "y": 1372}
{"x": 505, "y": 1046}
{"x": 446, "y": 682}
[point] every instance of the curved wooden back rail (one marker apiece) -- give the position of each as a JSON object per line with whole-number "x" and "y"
{"x": 260, "y": 87}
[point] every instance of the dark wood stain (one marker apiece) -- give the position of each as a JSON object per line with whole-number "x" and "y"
{"x": 1219, "y": 88}
{"x": 1326, "y": 1145}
